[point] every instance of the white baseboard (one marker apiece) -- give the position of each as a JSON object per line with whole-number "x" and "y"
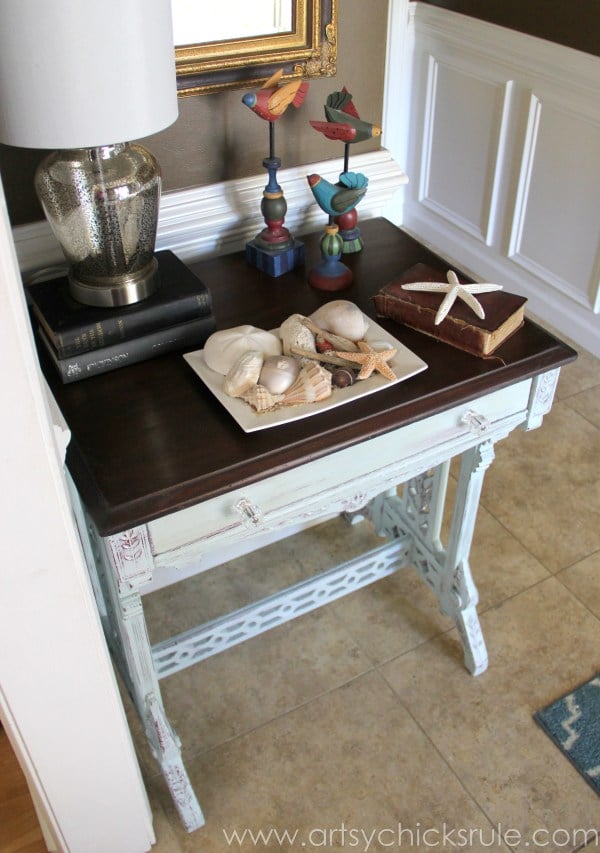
{"x": 220, "y": 218}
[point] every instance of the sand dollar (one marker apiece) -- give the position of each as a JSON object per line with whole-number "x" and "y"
{"x": 223, "y": 348}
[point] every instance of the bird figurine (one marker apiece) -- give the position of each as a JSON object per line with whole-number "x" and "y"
{"x": 343, "y": 121}
{"x": 340, "y": 198}
{"x": 272, "y": 100}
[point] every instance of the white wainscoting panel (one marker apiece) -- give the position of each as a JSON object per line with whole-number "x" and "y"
{"x": 503, "y": 156}
{"x": 465, "y": 112}
{"x": 558, "y": 142}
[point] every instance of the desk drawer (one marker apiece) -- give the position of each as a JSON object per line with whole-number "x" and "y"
{"x": 344, "y": 480}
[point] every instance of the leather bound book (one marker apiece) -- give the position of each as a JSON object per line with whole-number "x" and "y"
{"x": 504, "y": 312}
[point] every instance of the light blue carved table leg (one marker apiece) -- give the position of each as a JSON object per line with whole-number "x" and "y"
{"x": 446, "y": 571}
{"x": 127, "y": 563}
{"x": 458, "y": 595}
{"x": 119, "y": 565}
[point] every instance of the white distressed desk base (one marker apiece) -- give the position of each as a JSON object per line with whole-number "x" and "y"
{"x": 122, "y": 564}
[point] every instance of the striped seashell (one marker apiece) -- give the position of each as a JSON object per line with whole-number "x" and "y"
{"x": 312, "y": 385}
{"x": 261, "y": 399}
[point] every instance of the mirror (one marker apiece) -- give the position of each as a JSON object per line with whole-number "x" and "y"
{"x": 230, "y": 21}
{"x": 299, "y": 36}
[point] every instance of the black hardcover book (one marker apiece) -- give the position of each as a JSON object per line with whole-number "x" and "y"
{"x": 73, "y": 328}
{"x": 183, "y": 336}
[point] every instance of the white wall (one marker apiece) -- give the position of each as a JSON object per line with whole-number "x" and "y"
{"x": 502, "y": 149}
{"x": 58, "y": 698}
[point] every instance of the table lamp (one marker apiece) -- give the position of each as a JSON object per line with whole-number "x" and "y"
{"x": 87, "y": 78}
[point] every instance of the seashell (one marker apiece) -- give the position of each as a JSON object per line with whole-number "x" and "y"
{"x": 343, "y": 318}
{"x": 343, "y": 377}
{"x": 326, "y": 340}
{"x": 279, "y": 372}
{"x": 294, "y": 334}
{"x": 223, "y": 348}
{"x": 313, "y": 384}
{"x": 261, "y": 399}
{"x": 244, "y": 373}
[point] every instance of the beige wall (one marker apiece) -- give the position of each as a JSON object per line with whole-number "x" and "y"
{"x": 217, "y": 138}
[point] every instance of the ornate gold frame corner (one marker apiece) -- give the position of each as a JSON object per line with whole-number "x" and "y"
{"x": 308, "y": 50}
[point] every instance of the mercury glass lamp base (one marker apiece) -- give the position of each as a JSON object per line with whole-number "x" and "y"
{"x": 109, "y": 292}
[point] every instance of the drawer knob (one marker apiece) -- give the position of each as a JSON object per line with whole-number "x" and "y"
{"x": 478, "y": 424}
{"x": 250, "y": 514}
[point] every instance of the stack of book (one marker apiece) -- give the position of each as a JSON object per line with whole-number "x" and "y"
{"x": 84, "y": 341}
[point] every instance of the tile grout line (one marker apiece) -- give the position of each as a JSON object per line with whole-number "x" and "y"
{"x": 442, "y": 757}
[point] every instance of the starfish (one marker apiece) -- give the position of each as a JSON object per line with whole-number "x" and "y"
{"x": 453, "y": 288}
{"x": 371, "y": 360}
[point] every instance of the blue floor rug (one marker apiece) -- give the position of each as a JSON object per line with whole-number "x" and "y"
{"x": 573, "y": 723}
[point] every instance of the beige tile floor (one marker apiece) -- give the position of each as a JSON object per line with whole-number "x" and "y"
{"x": 360, "y": 718}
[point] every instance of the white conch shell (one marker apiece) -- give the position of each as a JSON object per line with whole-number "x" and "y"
{"x": 342, "y": 317}
{"x": 244, "y": 373}
{"x": 294, "y": 334}
{"x": 312, "y": 385}
{"x": 261, "y": 399}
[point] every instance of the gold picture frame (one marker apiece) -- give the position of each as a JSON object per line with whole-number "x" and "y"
{"x": 308, "y": 50}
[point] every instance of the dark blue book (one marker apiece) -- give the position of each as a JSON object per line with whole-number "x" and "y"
{"x": 74, "y": 329}
{"x": 185, "y": 336}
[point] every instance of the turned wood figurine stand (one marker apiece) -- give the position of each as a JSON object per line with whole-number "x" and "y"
{"x": 330, "y": 274}
{"x": 348, "y": 222}
{"x": 343, "y": 124}
{"x": 274, "y": 250}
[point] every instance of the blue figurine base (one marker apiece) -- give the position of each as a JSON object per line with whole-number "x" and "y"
{"x": 275, "y": 262}
{"x": 330, "y": 275}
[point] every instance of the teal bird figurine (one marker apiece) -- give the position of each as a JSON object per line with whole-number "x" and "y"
{"x": 340, "y": 198}
{"x": 343, "y": 121}
{"x": 272, "y": 100}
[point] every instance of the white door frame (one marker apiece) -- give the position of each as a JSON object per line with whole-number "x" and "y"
{"x": 59, "y": 701}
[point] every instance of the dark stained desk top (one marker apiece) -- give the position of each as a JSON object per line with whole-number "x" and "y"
{"x": 150, "y": 439}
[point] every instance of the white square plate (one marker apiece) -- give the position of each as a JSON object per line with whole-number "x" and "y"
{"x": 404, "y": 364}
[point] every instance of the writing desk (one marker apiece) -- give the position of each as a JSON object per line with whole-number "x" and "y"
{"x": 166, "y": 484}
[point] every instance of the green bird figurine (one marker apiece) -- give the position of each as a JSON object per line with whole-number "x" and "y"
{"x": 343, "y": 121}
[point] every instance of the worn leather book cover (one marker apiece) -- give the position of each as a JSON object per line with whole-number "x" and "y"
{"x": 504, "y": 312}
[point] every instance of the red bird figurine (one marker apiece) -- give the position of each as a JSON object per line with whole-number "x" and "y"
{"x": 273, "y": 99}
{"x": 343, "y": 122}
